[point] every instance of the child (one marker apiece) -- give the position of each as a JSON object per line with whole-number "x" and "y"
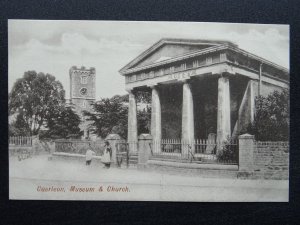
{"x": 89, "y": 155}
{"x": 106, "y": 157}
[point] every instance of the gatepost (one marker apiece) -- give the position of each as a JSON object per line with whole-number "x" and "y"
{"x": 246, "y": 158}
{"x": 113, "y": 140}
{"x": 144, "y": 151}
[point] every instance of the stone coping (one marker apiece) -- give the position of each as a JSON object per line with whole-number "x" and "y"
{"x": 73, "y": 155}
{"x": 194, "y": 165}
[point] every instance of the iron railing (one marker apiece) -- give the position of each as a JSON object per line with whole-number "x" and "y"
{"x": 78, "y": 146}
{"x": 20, "y": 140}
{"x": 200, "y": 151}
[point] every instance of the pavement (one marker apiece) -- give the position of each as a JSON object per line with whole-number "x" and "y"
{"x": 38, "y": 178}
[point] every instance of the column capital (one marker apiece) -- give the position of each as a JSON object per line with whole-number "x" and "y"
{"x": 186, "y": 81}
{"x": 224, "y": 75}
{"x": 130, "y": 91}
{"x": 154, "y": 86}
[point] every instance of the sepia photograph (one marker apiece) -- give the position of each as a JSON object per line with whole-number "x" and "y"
{"x": 148, "y": 111}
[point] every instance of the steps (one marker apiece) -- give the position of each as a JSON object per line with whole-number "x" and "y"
{"x": 181, "y": 160}
{"x": 133, "y": 158}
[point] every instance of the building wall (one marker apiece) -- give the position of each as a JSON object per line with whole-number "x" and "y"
{"x": 205, "y": 95}
{"x": 171, "y": 111}
{"x": 269, "y": 88}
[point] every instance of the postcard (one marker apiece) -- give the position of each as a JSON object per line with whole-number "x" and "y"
{"x": 148, "y": 111}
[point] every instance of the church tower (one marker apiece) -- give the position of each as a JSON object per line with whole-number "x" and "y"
{"x": 82, "y": 92}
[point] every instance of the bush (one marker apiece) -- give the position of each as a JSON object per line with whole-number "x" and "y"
{"x": 229, "y": 151}
{"x": 271, "y": 121}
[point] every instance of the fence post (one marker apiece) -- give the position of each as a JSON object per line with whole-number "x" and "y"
{"x": 144, "y": 150}
{"x": 113, "y": 139}
{"x": 246, "y": 149}
{"x": 35, "y": 144}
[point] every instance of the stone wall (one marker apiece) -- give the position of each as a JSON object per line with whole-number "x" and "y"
{"x": 263, "y": 160}
{"x": 271, "y": 160}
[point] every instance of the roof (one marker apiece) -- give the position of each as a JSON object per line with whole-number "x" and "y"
{"x": 177, "y": 41}
{"x": 214, "y": 45}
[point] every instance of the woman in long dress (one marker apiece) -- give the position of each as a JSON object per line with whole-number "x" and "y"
{"x": 106, "y": 157}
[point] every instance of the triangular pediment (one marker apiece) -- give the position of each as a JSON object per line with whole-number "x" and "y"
{"x": 167, "y": 49}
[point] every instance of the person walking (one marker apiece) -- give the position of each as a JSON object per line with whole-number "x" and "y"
{"x": 106, "y": 157}
{"x": 89, "y": 155}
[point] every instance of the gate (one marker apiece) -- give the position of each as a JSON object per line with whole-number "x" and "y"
{"x": 127, "y": 153}
{"x": 122, "y": 153}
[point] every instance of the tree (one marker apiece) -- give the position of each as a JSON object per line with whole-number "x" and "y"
{"x": 144, "y": 120}
{"x": 33, "y": 97}
{"x": 63, "y": 123}
{"x": 271, "y": 121}
{"x": 109, "y": 116}
{"x": 19, "y": 127}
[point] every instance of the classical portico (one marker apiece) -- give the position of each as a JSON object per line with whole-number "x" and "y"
{"x": 199, "y": 87}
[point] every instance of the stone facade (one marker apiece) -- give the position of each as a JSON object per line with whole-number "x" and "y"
{"x": 217, "y": 83}
{"x": 82, "y": 92}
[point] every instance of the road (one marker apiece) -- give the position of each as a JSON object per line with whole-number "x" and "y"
{"x": 38, "y": 178}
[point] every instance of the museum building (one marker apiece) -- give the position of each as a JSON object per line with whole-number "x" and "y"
{"x": 199, "y": 87}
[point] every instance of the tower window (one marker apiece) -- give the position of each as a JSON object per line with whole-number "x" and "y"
{"x": 83, "y": 79}
{"x": 84, "y": 104}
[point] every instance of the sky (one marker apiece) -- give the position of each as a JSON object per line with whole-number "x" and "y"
{"x": 54, "y": 46}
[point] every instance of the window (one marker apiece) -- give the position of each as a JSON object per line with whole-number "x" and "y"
{"x": 83, "y": 79}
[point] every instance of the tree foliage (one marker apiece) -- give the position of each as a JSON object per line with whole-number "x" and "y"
{"x": 63, "y": 123}
{"x": 109, "y": 116}
{"x": 33, "y": 97}
{"x": 144, "y": 120}
{"x": 271, "y": 122}
{"x": 19, "y": 127}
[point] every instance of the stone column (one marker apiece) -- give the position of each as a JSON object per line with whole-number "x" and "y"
{"x": 132, "y": 123}
{"x": 155, "y": 115}
{"x": 246, "y": 150}
{"x": 187, "y": 134}
{"x": 156, "y": 119}
{"x": 223, "y": 120}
